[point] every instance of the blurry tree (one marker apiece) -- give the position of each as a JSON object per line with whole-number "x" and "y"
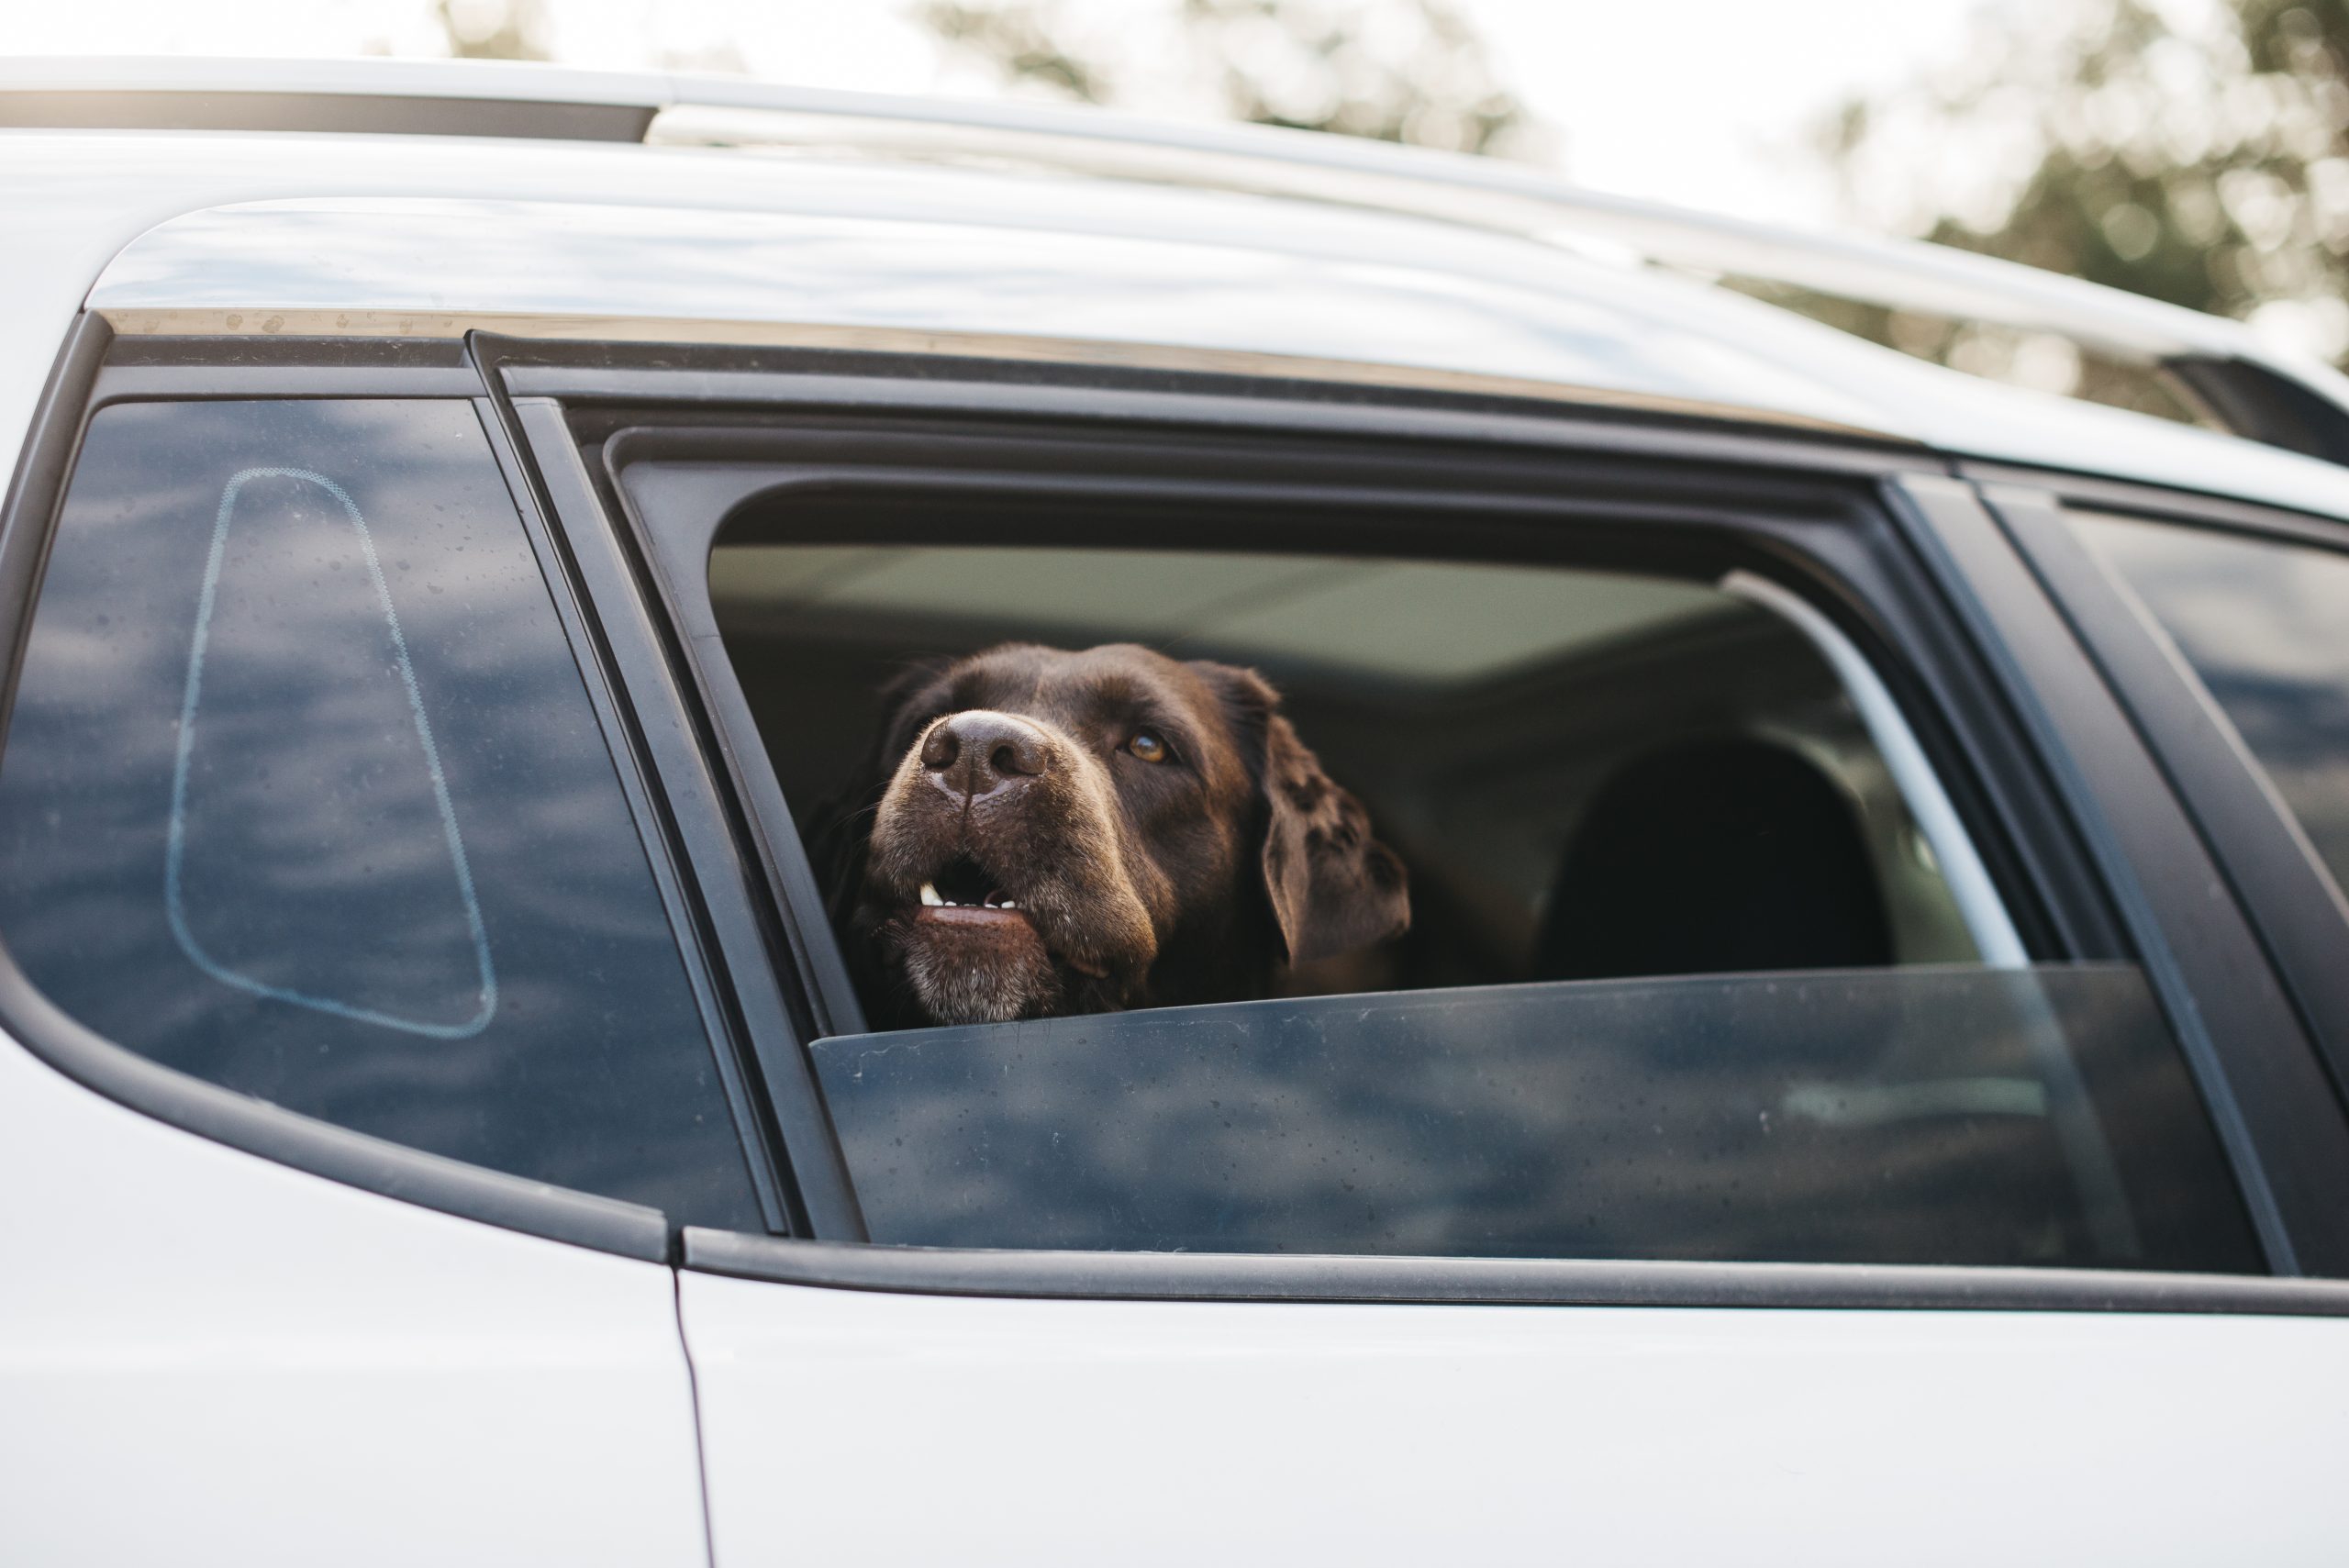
{"x": 1021, "y": 42}
{"x": 1407, "y": 70}
{"x": 2199, "y": 154}
{"x": 495, "y": 29}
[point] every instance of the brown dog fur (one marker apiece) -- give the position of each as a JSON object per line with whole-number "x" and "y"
{"x": 1136, "y": 883}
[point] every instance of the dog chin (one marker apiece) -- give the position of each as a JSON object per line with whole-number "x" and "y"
{"x": 962, "y": 968}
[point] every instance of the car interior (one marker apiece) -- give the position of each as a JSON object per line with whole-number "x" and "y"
{"x": 1591, "y": 774}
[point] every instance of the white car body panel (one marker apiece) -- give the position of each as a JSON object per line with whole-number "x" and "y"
{"x": 209, "y": 1358}
{"x": 845, "y": 1426}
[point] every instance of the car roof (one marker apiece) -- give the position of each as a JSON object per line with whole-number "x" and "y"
{"x": 389, "y": 197}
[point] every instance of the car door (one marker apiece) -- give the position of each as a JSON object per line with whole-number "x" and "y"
{"x": 336, "y": 1172}
{"x": 1061, "y": 1290}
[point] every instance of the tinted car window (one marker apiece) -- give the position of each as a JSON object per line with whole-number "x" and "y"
{"x": 1950, "y": 1116}
{"x": 302, "y": 795}
{"x": 2265, "y": 626}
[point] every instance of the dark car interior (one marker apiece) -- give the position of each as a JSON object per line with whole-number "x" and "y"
{"x": 1589, "y": 773}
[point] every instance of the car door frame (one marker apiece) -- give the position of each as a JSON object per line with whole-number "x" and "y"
{"x": 1970, "y": 644}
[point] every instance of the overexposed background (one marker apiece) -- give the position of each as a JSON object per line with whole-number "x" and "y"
{"x": 1708, "y": 103}
{"x": 2195, "y": 150}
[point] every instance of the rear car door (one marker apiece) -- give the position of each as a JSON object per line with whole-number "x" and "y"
{"x": 1785, "y": 1262}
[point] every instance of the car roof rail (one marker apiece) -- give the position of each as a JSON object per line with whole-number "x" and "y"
{"x": 454, "y": 98}
{"x": 527, "y": 100}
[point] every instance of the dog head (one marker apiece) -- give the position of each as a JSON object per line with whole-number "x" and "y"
{"x": 1045, "y": 832}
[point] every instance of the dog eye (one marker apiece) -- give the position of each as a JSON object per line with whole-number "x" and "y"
{"x": 1147, "y": 745}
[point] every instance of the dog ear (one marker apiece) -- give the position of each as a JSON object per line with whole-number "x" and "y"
{"x": 1332, "y": 887}
{"x": 840, "y": 831}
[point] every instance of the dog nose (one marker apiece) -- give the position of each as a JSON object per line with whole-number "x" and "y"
{"x": 975, "y": 754}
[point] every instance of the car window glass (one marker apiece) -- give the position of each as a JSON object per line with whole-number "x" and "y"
{"x": 1683, "y": 978}
{"x": 1938, "y": 1116}
{"x": 302, "y": 795}
{"x": 2265, "y": 626}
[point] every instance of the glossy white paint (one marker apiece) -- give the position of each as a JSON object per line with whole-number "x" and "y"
{"x": 990, "y": 1432}
{"x": 1203, "y": 275}
{"x": 208, "y": 1358}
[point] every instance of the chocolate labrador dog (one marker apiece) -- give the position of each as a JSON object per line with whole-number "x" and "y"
{"x": 1042, "y": 832}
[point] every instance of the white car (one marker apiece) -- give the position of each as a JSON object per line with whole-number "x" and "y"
{"x": 1864, "y": 1083}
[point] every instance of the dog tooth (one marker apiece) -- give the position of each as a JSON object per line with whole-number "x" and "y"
{"x": 1007, "y": 904}
{"x": 930, "y": 895}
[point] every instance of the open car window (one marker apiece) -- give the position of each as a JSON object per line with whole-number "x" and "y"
{"x": 1687, "y": 974}
{"x": 1480, "y": 711}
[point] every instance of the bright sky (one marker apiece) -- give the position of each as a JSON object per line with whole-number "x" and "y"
{"x": 1706, "y": 103}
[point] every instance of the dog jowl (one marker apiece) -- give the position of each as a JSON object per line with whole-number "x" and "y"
{"x": 1045, "y": 832}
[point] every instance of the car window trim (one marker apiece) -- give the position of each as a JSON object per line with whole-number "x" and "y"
{"x": 769, "y": 1012}
{"x": 1297, "y": 1278}
{"x": 833, "y": 381}
{"x": 2157, "y": 502}
{"x": 663, "y": 859}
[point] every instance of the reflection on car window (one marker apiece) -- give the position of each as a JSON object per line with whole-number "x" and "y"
{"x": 1922, "y": 1116}
{"x": 1941, "y": 1116}
{"x": 2265, "y": 626}
{"x": 302, "y": 795}
{"x": 425, "y": 966}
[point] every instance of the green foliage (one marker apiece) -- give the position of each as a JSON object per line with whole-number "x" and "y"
{"x": 2206, "y": 164}
{"x": 1021, "y": 43}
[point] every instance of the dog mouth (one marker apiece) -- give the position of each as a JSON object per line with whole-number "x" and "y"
{"x": 964, "y": 897}
{"x": 968, "y": 888}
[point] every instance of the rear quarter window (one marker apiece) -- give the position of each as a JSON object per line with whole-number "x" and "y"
{"x": 303, "y": 793}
